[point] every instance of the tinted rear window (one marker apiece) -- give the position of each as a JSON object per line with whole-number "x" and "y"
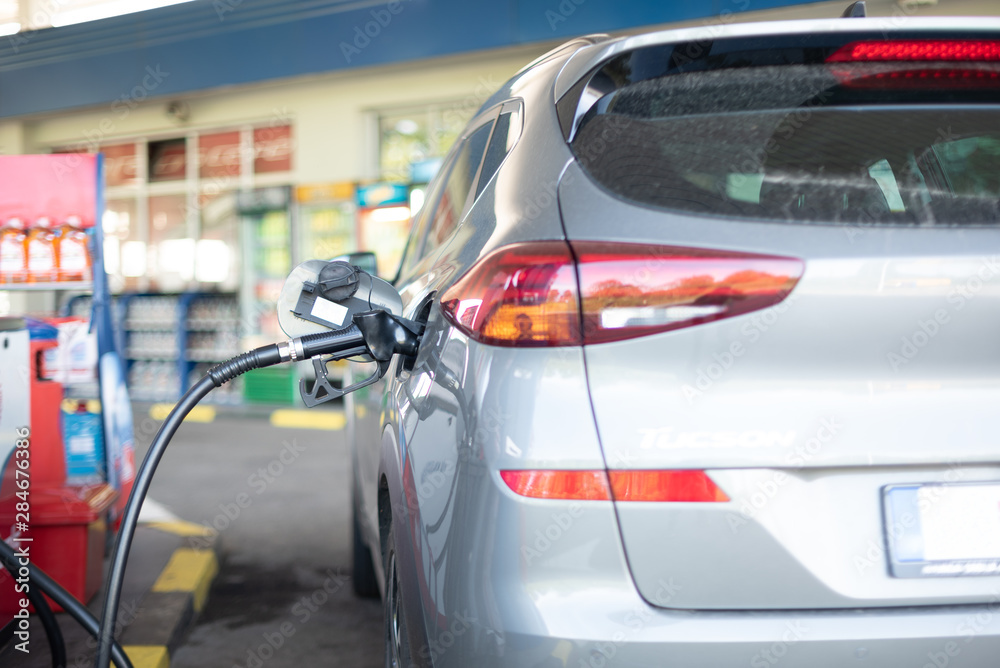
{"x": 803, "y": 142}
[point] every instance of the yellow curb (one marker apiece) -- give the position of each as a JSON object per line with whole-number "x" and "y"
{"x": 189, "y": 570}
{"x": 182, "y": 528}
{"x": 148, "y": 656}
{"x": 198, "y": 413}
{"x": 308, "y": 419}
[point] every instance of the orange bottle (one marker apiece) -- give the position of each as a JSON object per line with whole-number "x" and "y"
{"x": 13, "y": 255}
{"x": 41, "y": 250}
{"x": 72, "y": 256}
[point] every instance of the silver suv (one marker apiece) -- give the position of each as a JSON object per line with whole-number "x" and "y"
{"x": 711, "y": 368}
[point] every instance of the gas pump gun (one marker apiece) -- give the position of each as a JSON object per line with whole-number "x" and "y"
{"x": 322, "y": 296}
{"x": 332, "y": 311}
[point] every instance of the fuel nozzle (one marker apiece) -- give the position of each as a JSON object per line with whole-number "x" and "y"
{"x": 335, "y": 310}
{"x": 377, "y": 335}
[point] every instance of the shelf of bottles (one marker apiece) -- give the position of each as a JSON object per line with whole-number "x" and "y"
{"x": 152, "y": 346}
{"x": 172, "y": 340}
{"x": 45, "y": 255}
{"x": 211, "y": 334}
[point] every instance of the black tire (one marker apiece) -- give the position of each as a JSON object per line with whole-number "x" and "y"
{"x": 397, "y": 643}
{"x": 365, "y": 581}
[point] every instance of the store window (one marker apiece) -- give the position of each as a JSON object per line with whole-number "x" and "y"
{"x": 167, "y": 160}
{"x": 216, "y": 255}
{"x": 171, "y": 249}
{"x": 219, "y": 155}
{"x": 272, "y": 149}
{"x": 168, "y": 227}
{"x": 121, "y": 166}
{"x": 124, "y": 256}
{"x": 411, "y": 139}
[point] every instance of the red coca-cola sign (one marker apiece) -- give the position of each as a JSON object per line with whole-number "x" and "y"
{"x": 121, "y": 166}
{"x": 272, "y": 149}
{"x": 219, "y": 155}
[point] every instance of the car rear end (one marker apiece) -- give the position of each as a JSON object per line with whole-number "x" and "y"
{"x": 782, "y": 267}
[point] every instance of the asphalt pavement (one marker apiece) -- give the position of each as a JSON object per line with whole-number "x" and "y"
{"x": 279, "y": 500}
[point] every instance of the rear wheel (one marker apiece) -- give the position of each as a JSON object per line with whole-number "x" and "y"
{"x": 397, "y": 645}
{"x": 365, "y": 582}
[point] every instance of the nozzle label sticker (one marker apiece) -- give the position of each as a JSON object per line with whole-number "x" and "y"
{"x": 324, "y": 309}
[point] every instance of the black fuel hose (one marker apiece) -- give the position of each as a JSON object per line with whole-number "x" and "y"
{"x": 255, "y": 359}
{"x": 375, "y": 332}
{"x": 67, "y": 601}
{"x": 57, "y": 645}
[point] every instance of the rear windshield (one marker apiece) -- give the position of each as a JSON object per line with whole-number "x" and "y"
{"x": 846, "y": 143}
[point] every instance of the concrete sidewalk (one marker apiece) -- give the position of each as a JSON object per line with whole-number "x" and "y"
{"x": 170, "y": 570}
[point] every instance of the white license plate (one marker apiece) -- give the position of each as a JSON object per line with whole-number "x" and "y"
{"x": 943, "y": 530}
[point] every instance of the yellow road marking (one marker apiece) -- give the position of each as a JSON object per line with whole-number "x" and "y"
{"x": 148, "y": 656}
{"x": 308, "y": 419}
{"x": 182, "y": 528}
{"x": 197, "y": 414}
{"x": 189, "y": 570}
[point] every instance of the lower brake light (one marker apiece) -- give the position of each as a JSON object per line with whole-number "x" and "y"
{"x": 665, "y": 486}
{"x": 578, "y": 485}
{"x": 637, "y": 485}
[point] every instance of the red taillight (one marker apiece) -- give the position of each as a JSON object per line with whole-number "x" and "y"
{"x": 918, "y": 50}
{"x": 638, "y": 485}
{"x": 665, "y": 486}
{"x": 631, "y": 290}
{"x": 534, "y": 294}
{"x": 520, "y": 295}
{"x": 578, "y": 485}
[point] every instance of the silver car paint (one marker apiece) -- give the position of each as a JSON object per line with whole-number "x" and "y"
{"x": 753, "y": 391}
{"x": 500, "y": 580}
